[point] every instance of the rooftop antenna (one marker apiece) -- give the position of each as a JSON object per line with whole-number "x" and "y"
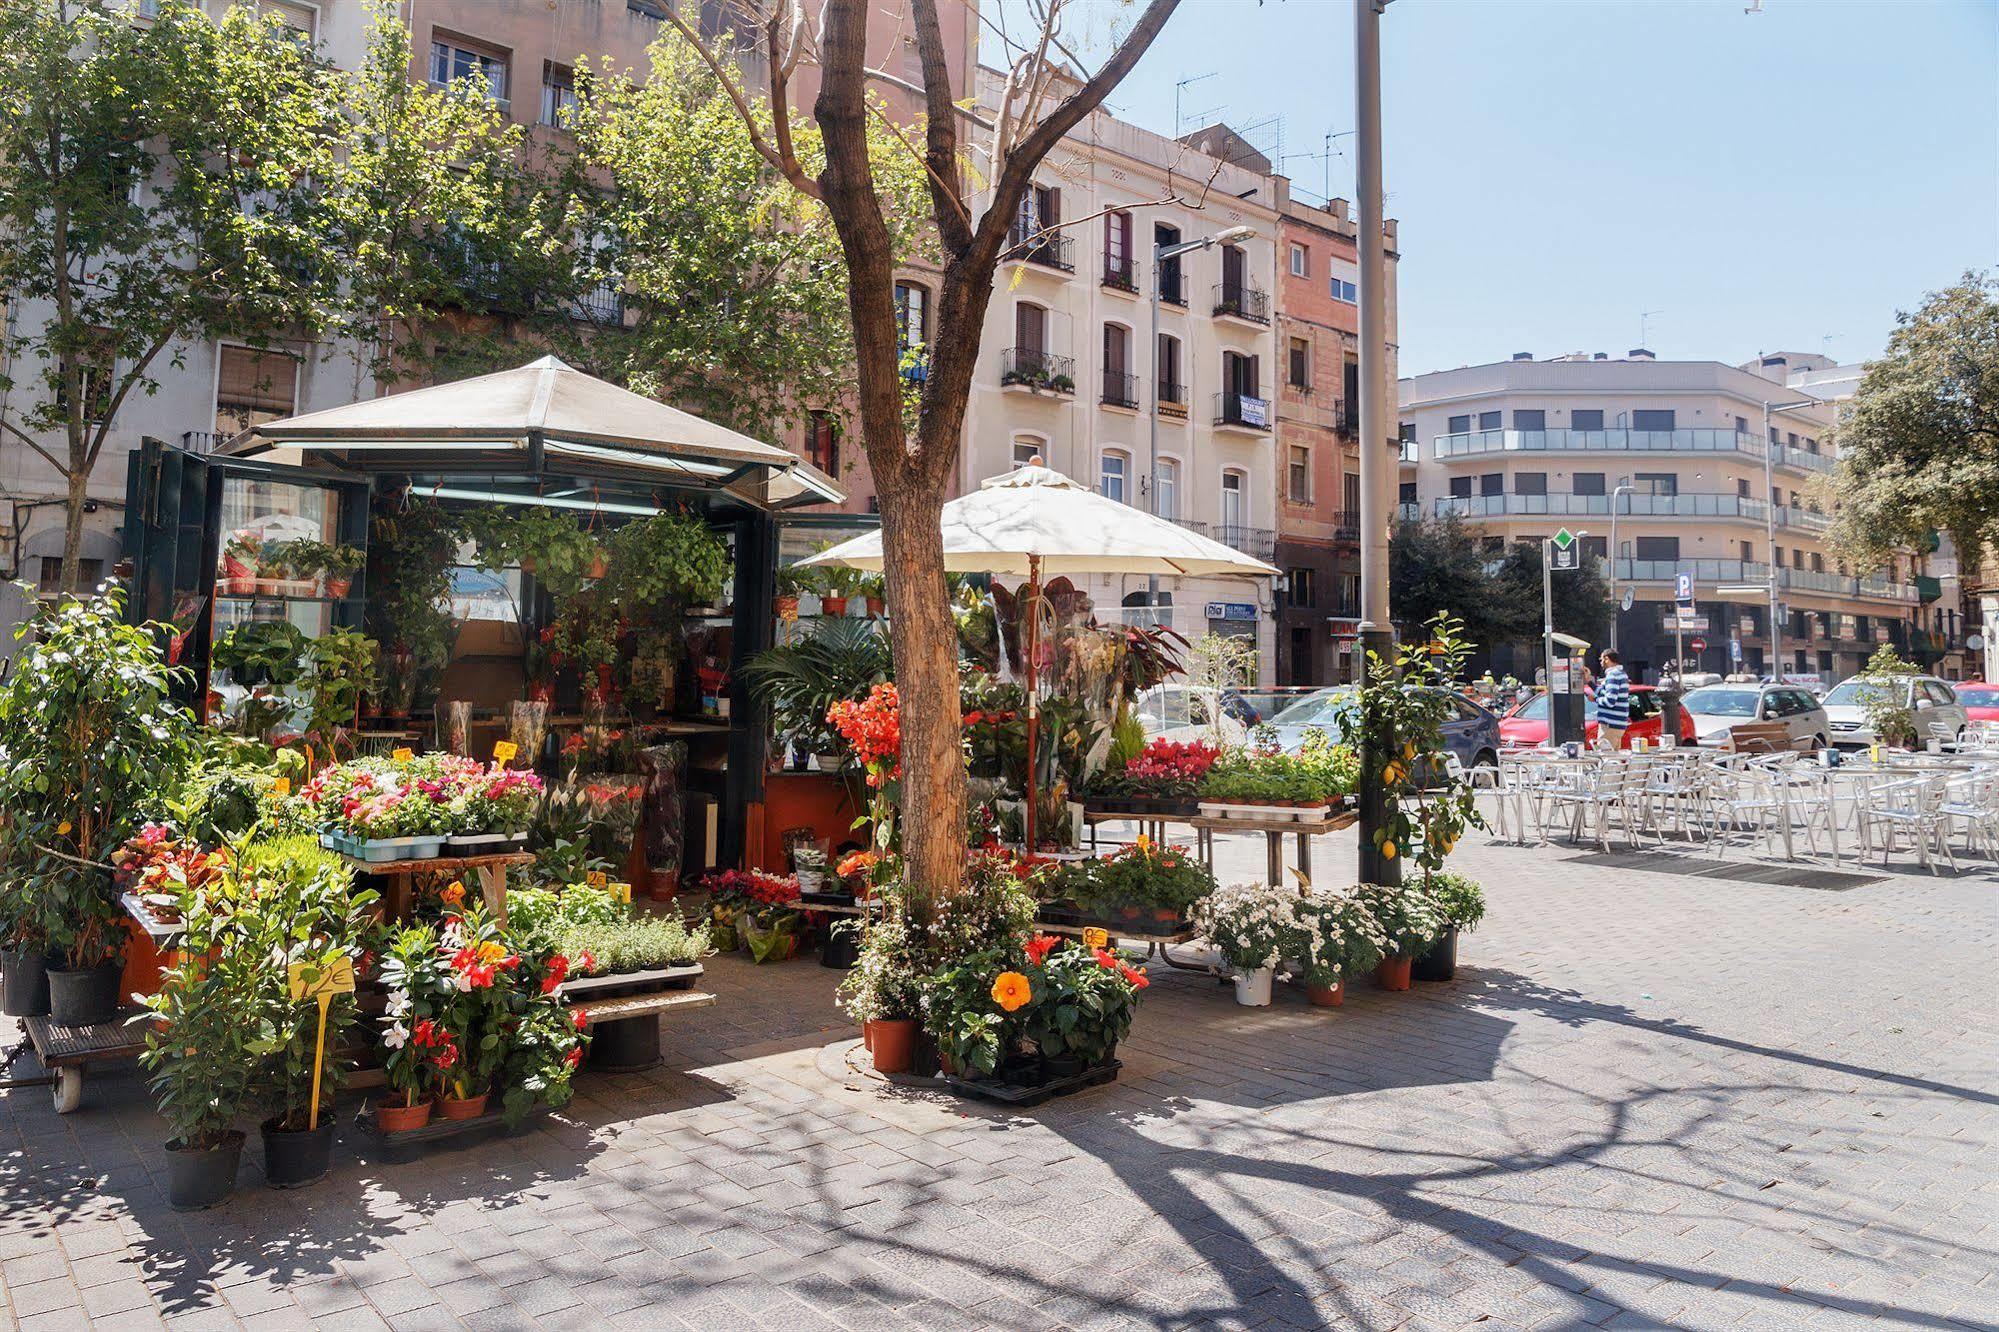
{"x": 1179, "y": 126}
{"x": 1753, "y": 7}
{"x": 1324, "y": 156}
{"x": 1825, "y": 345}
{"x": 1644, "y": 322}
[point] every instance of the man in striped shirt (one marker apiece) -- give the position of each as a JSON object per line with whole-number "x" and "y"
{"x": 1613, "y": 703}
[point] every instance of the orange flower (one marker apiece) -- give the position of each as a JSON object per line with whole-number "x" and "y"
{"x": 454, "y": 892}
{"x": 491, "y": 951}
{"x": 1011, "y": 990}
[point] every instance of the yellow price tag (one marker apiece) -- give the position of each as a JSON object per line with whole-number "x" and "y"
{"x": 597, "y": 879}
{"x": 403, "y": 754}
{"x": 309, "y": 981}
{"x": 281, "y": 787}
{"x": 504, "y": 751}
{"x": 1096, "y": 937}
{"x": 621, "y": 892}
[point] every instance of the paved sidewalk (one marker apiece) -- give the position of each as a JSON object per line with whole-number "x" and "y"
{"x": 1652, "y": 1098}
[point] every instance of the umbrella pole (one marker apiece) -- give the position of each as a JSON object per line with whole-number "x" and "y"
{"x": 1033, "y": 696}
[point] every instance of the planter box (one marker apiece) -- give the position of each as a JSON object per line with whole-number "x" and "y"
{"x": 621, "y": 983}
{"x": 384, "y": 850}
{"x": 1264, "y": 813}
{"x": 1005, "y": 1093}
{"x": 1142, "y": 922}
{"x": 479, "y": 844}
{"x": 1157, "y": 807}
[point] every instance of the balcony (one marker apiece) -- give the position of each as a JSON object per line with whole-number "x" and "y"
{"x": 1172, "y": 285}
{"x": 1120, "y": 389}
{"x": 1706, "y": 573}
{"x": 1239, "y": 411}
{"x": 1233, "y": 301}
{"x": 1172, "y": 400}
{"x": 1805, "y": 520}
{"x": 1031, "y": 370}
{"x": 203, "y": 441}
{"x": 1260, "y": 542}
{"x": 1346, "y": 525}
{"x": 1477, "y": 443}
{"x": 1585, "y": 506}
{"x": 1839, "y": 585}
{"x": 1044, "y": 249}
{"x": 1408, "y": 512}
{"x": 1120, "y": 274}
{"x": 1411, "y": 451}
{"x": 605, "y": 306}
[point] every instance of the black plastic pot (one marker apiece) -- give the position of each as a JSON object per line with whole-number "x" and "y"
{"x": 294, "y": 1158}
{"x": 203, "y": 1176}
{"x": 84, "y": 998}
{"x": 625, "y": 1045}
{"x": 841, "y": 949}
{"x": 24, "y": 984}
{"x": 1441, "y": 962}
{"x": 1062, "y": 1066}
{"x": 1023, "y": 1071}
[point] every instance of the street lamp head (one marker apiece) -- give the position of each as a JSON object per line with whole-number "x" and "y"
{"x": 1231, "y": 234}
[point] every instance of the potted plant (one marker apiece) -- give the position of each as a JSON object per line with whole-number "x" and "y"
{"x": 837, "y": 586}
{"x": 340, "y": 564}
{"x": 24, "y": 946}
{"x": 884, "y": 992}
{"x": 1082, "y": 1001}
{"x": 89, "y": 738}
{"x": 1460, "y": 905}
{"x": 1337, "y": 937}
{"x": 493, "y": 809}
{"x": 792, "y": 583}
{"x": 200, "y": 1054}
{"x": 239, "y": 564}
{"x": 416, "y": 1052}
{"x": 1249, "y": 925}
{"x": 1408, "y": 922}
{"x": 873, "y": 589}
{"x": 802, "y": 682}
{"x": 340, "y": 666}
{"x": 480, "y": 967}
{"x": 771, "y": 924}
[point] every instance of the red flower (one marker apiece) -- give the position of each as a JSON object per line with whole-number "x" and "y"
{"x": 1135, "y": 977}
{"x": 588, "y": 960}
{"x": 581, "y": 1017}
{"x": 1040, "y": 946}
{"x": 558, "y": 970}
{"x": 574, "y": 1057}
{"x": 1108, "y": 961}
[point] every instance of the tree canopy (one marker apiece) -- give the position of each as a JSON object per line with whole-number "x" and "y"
{"x": 1919, "y": 442}
{"x": 1438, "y": 565}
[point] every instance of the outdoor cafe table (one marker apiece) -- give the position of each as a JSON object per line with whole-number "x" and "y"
{"x": 1274, "y": 832}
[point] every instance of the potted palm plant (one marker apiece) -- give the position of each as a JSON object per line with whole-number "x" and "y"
{"x": 800, "y": 682}
{"x": 873, "y": 588}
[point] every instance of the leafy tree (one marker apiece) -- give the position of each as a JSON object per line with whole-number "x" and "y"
{"x": 1581, "y": 598}
{"x": 1919, "y": 443}
{"x": 155, "y": 189}
{"x": 1437, "y": 566}
{"x": 1044, "y": 98}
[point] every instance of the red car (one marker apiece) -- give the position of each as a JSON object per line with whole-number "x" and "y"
{"x": 1527, "y": 725}
{"x": 1981, "y": 700}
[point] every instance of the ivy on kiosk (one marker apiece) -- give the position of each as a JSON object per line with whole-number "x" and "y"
{"x": 1562, "y": 551}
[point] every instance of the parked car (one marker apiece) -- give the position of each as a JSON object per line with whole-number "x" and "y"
{"x": 1470, "y": 732}
{"x": 1527, "y": 725}
{"x": 1183, "y": 712}
{"x": 1932, "y": 700}
{"x": 1716, "y": 709}
{"x": 1981, "y": 700}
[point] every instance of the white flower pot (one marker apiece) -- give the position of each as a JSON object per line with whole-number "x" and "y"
{"x": 1252, "y": 988}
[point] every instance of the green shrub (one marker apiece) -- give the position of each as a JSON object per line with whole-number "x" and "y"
{"x": 1459, "y": 901}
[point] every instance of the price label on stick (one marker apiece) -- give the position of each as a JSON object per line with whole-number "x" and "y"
{"x": 1096, "y": 937}
{"x": 621, "y": 892}
{"x": 598, "y": 879}
{"x": 504, "y": 751}
{"x": 403, "y": 754}
{"x": 309, "y": 981}
{"x": 281, "y": 787}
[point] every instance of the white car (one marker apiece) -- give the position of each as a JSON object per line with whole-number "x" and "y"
{"x": 1183, "y": 712}
{"x": 1939, "y": 716}
{"x": 1716, "y": 709}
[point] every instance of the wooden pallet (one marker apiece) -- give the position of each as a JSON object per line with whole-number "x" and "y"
{"x": 639, "y": 1005}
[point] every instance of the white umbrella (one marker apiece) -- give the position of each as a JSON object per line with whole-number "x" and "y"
{"x": 1035, "y": 515}
{"x": 1034, "y": 521}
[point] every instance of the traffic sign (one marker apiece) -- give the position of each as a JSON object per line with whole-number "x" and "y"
{"x": 1697, "y": 643}
{"x": 1564, "y": 539}
{"x": 1683, "y": 587}
{"x": 1567, "y": 557}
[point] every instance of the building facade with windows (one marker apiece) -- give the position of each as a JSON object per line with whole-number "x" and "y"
{"x": 1676, "y": 451}
{"x": 1318, "y": 440}
{"x": 1072, "y": 372}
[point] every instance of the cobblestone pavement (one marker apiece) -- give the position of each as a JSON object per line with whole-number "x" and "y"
{"x": 1651, "y": 1098}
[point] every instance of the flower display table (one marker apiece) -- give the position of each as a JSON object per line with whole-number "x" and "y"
{"x": 491, "y": 871}
{"x": 1274, "y": 831}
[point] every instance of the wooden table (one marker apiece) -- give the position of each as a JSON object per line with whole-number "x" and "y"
{"x": 491, "y": 871}
{"x": 1274, "y": 832}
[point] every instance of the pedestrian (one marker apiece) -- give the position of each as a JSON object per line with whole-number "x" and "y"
{"x": 1613, "y": 703}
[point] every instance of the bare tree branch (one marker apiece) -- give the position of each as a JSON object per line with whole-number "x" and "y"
{"x": 780, "y": 155}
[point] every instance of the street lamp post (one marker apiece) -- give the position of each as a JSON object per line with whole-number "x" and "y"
{"x": 1160, "y": 254}
{"x": 1377, "y": 633}
{"x": 1623, "y": 488}
{"x": 1770, "y": 528}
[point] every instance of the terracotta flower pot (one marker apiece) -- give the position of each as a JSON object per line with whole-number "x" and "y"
{"x": 1327, "y": 996}
{"x": 339, "y": 587}
{"x": 787, "y": 608}
{"x": 392, "y": 1117}
{"x": 875, "y": 608}
{"x": 461, "y": 1107}
{"x": 895, "y": 1045}
{"x": 832, "y": 605}
{"x": 599, "y": 567}
{"x": 1392, "y": 973}
{"x": 868, "y": 1033}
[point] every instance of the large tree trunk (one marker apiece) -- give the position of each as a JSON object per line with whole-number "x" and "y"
{"x": 72, "y": 534}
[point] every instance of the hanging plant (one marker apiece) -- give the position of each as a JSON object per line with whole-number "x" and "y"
{"x": 670, "y": 559}
{"x": 550, "y": 544}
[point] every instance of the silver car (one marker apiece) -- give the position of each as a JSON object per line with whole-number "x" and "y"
{"x": 1717, "y": 708}
{"x": 1939, "y": 716}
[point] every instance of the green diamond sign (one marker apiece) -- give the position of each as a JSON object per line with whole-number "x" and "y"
{"x": 1564, "y": 539}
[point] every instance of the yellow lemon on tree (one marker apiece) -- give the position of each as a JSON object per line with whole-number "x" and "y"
{"x": 1409, "y": 750}
{"x": 1388, "y": 850}
{"x": 1392, "y": 774}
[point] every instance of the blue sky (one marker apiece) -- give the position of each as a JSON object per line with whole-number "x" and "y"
{"x": 1759, "y": 180}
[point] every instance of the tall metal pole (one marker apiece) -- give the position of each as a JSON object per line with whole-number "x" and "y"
{"x": 1152, "y": 433}
{"x": 1376, "y": 630}
{"x": 1770, "y": 546}
{"x": 1616, "y": 605}
{"x": 1548, "y": 626}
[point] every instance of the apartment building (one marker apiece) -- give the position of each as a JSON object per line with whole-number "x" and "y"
{"x": 209, "y": 389}
{"x": 1074, "y": 374}
{"x": 1318, "y": 432}
{"x": 1675, "y": 452}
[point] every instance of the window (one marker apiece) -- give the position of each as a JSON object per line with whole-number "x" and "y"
{"x": 1587, "y": 483}
{"x": 1345, "y": 292}
{"x": 1350, "y": 400}
{"x": 1656, "y": 483}
{"x": 1172, "y": 389}
{"x": 1492, "y": 545}
{"x": 451, "y": 59}
{"x": 1742, "y": 487}
{"x": 1492, "y": 483}
{"x": 1596, "y": 547}
{"x": 1298, "y": 474}
{"x": 1741, "y": 425}
{"x": 49, "y": 581}
{"x": 1460, "y": 487}
{"x": 1489, "y": 420}
{"x": 1350, "y": 490}
{"x": 1657, "y": 548}
{"x": 1811, "y": 446}
{"x": 1112, "y": 475}
{"x": 1748, "y": 552}
{"x": 1300, "y": 590}
{"x": 1300, "y": 363}
{"x": 1777, "y": 556}
{"x": 1590, "y": 418}
{"x": 822, "y": 443}
{"x": 1458, "y": 425}
{"x": 1170, "y": 289}
{"x": 1026, "y": 450}
{"x": 1530, "y": 483}
{"x": 558, "y": 92}
{"x": 1777, "y": 496}
{"x": 301, "y": 21}
{"x": 1404, "y": 493}
{"x": 1301, "y": 261}
{"x": 912, "y": 315}
{"x": 1120, "y": 385}
{"x": 1818, "y": 563}
{"x": 252, "y": 387}
{"x": 1530, "y": 420}
{"x": 1798, "y": 560}
{"x": 1648, "y": 419}
{"x": 1119, "y": 270}
{"x": 1235, "y": 488}
{"x": 1344, "y": 275}
{"x": 1030, "y": 327}
{"x": 1791, "y": 439}
{"x": 1169, "y": 489}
